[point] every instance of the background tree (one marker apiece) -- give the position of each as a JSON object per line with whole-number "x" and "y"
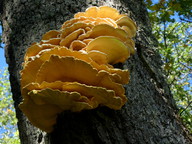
{"x": 148, "y": 117}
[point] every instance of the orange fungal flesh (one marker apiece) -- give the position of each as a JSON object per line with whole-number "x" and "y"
{"x": 72, "y": 68}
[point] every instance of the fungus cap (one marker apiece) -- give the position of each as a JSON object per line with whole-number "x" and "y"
{"x": 103, "y": 12}
{"x": 128, "y": 25}
{"x": 29, "y": 73}
{"x": 115, "y": 50}
{"x": 51, "y": 34}
{"x": 66, "y": 73}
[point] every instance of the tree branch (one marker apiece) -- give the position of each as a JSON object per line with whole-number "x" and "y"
{"x": 185, "y": 108}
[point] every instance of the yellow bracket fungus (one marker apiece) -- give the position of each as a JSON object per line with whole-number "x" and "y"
{"x": 72, "y": 68}
{"x": 115, "y": 50}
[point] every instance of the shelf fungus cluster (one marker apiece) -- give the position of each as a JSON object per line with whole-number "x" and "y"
{"x": 72, "y": 68}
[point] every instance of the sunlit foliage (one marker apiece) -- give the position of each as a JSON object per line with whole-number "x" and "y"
{"x": 171, "y": 26}
{"x": 8, "y": 121}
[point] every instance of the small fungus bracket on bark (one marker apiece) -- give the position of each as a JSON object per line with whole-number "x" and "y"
{"x": 72, "y": 68}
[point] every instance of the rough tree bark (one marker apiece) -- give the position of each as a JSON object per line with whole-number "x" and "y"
{"x": 150, "y": 114}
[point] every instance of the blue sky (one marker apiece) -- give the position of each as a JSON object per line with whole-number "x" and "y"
{"x": 2, "y": 56}
{"x": 2, "y": 59}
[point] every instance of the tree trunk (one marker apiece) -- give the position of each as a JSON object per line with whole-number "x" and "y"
{"x": 150, "y": 114}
